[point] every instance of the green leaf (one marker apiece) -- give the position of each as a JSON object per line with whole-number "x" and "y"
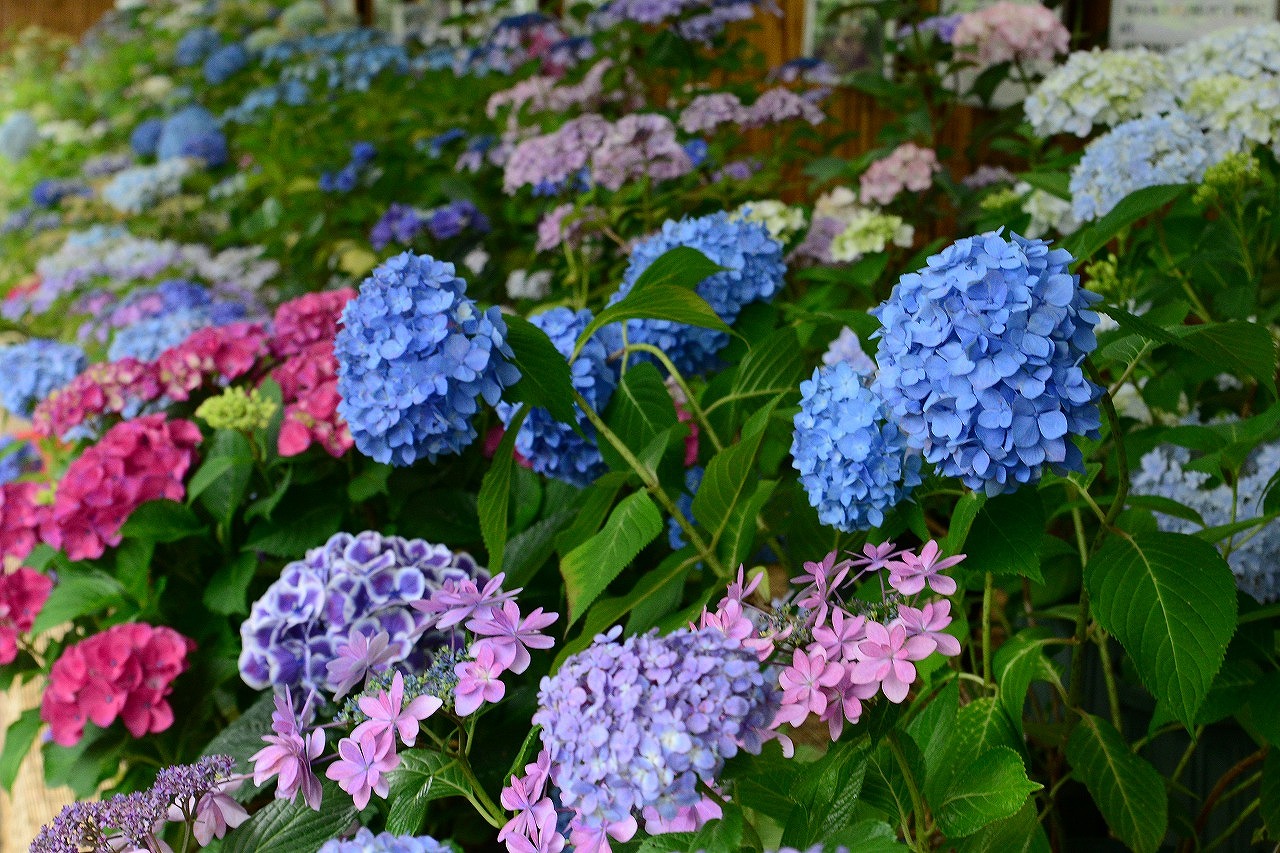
{"x": 1020, "y": 661}
{"x": 284, "y": 826}
{"x": 80, "y": 592}
{"x": 739, "y": 536}
{"x": 828, "y": 794}
{"x": 241, "y": 739}
{"x": 495, "y": 494}
{"x": 529, "y": 550}
{"x": 980, "y": 726}
{"x": 1269, "y": 797}
{"x": 723, "y": 835}
{"x": 991, "y": 787}
{"x": 227, "y": 591}
{"x": 1236, "y": 347}
{"x": 369, "y": 483}
{"x": 1131, "y": 208}
{"x": 422, "y": 776}
{"x": 162, "y": 521}
{"x": 884, "y": 787}
{"x": 589, "y": 568}
{"x": 545, "y": 380}
{"x": 658, "y": 302}
{"x": 17, "y": 743}
{"x": 1020, "y": 833}
{"x": 640, "y": 410}
{"x": 1005, "y": 537}
{"x": 291, "y": 537}
{"x": 592, "y": 508}
{"x": 1129, "y": 792}
{"x": 772, "y": 368}
{"x": 222, "y": 480}
{"x": 1054, "y": 183}
{"x": 729, "y": 477}
{"x": 934, "y": 729}
{"x": 682, "y": 266}
{"x": 962, "y": 519}
{"x": 1170, "y": 599}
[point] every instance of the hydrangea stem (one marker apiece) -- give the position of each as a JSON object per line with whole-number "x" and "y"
{"x": 690, "y": 400}
{"x": 988, "y": 588}
{"x": 919, "y": 841}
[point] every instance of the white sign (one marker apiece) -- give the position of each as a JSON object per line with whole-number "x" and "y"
{"x": 1162, "y": 24}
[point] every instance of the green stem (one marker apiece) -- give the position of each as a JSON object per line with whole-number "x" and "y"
{"x": 1234, "y": 827}
{"x": 917, "y": 801}
{"x": 1109, "y": 677}
{"x": 1186, "y": 756}
{"x": 690, "y": 400}
{"x": 988, "y": 587}
{"x": 487, "y": 808}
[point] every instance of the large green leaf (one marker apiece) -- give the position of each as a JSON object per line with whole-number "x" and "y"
{"x": 681, "y": 266}
{"x": 222, "y": 479}
{"x": 640, "y": 410}
{"x": 589, "y": 568}
{"x": 1021, "y": 833}
{"x": 1131, "y": 208}
{"x": 284, "y": 826}
{"x": 1128, "y": 790}
{"x": 422, "y": 776}
{"x": 162, "y": 521}
{"x": 1005, "y": 537}
{"x": 81, "y": 591}
{"x": 730, "y": 477}
{"x": 17, "y": 742}
{"x": 242, "y": 738}
{"x": 227, "y": 591}
{"x": 989, "y": 788}
{"x": 827, "y": 794}
{"x": 545, "y": 380}
{"x": 529, "y": 550}
{"x": 293, "y": 534}
{"x": 1170, "y": 599}
{"x": 1020, "y": 661}
{"x": 980, "y": 726}
{"x": 494, "y": 500}
{"x": 658, "y": 302}
{"x": 1236, "y": 347}
{"x": 772, "y": 368}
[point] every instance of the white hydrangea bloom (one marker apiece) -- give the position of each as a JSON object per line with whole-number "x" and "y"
{"x": 867, "y": 231}
{"x": 1100, "y": 88}
{"x": 780, "y": 220}
{"x": 1049, "y": 214}
{"x": 1251, "y": 52}
{"x": 1236, "y": 106}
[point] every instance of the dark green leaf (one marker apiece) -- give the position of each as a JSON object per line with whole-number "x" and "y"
{"x": 589, "y": 568}
{"x": 1236, "y": 347}
{"x": 82, "y": 592}
{"x": 221, "y": 481}
{"x": 1020, "y": 661}
{"x": 242, "y": 738}
{"x": 226, "y": 592}
{"x": 730, "y": 477}
{"x": 292, "y": 537}
{"x": 162, "y": 521}
{"x": 657, "y": 302}
{"x": 529, "y": 550}
{"x": 989, "y": 788}
{"x": 284, "y": 826}
{"x": 495, "y": 494}
{"x": 1131, "y": 208}
{"x": 1128, "y": 790}
{"x": 1020, "y": 833}
{"x": 1269, "y": 797}
{"x": 682, "y": 266}
{"x": 1005, "y": 537}
{"x": 422, "y": 776}
{"x": 545, "y": 380}
{"x": 369, "y": 483}
{"x": 17, "y": 743}
{"x": 640, "y": 409}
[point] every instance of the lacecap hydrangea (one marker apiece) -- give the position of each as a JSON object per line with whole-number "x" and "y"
{"x": 36, "y": 368}
{"x": 554, "y": 448}
{"x": 753, "y": 273}
{"x": 362, "y": 583}
{"x": 636, "y": 724}
{"x": 980, "y": 361}
{"x": 854, "y": 463}
{"x": 365, "y": 841}
{"x": 414, "y": 353}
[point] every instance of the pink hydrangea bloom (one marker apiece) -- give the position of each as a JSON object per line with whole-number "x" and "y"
{"x": 126, "y": 672}
{"x": 907, "y": 168}
{"x": 110, "y": 388}
{"x": 707, "y": 112}
{"x": 388, "y": 713}
{"x": 779, "y": 105}
{"x": 20, "y": 519}
{"x": 638, "y": 146}
{"x": 288, "y": 756}
{"x": 309, "y": 387}
{"x": 479, "y": 681}
{"x": 22, "y": 594}
{"x": 564, "y": 224}
{"x": 805, "y": 684}
{"x": 510, "y": 636}
{"x": 309, "y": 319}
{"x": 220, "y": 353}
{"x": 909, "y": 573}
{"x": 886, "y": 657}
{"x": 1011, "y": 32}
{"x": 930, "y": 622}
{"x": 364, "y": 759}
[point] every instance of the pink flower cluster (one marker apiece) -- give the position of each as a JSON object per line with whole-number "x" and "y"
{"x": 220, "y": 353}
{"x": 308, "y": 320}
{"x": 126, "y": 671}
{"x": 1011, "y": 32}
{"x": 303, "y": 335}
{"x": 565, "y": 224}
{"x": 542, "y": 93}
{"x": 136, "y": 461}
{"x": 707, "y": 112}
{"x": 20, "y": 517}
{"x": 22, "y": 594}
{"x": 534, "y": 828}
{"x": 851, "y": 656}
{"x": 907, "y": 168}
{"x": 781, "y": 104}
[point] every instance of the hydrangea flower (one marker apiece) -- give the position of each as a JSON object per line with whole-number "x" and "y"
{"x": 146, "y": 136}
{"x": 20, "y": 517}
{"x": 1100, "y": 88}
{"x": 365, "y": 841}
{"x": 237, "y": 409}
{"x": 1251, "y": 52}
{"x": 23, "y": 593}
{"x": 707, "y": 112}
{"x": 351, "y": 584}
{"x": 195, "y": 44}
{"x": 753, "y": 273}
{"x": 35, "y": 369}
{"x": 906, "y": 168}
{"x": 225, "y": 63}
{"x": 848, "y": 348}
{"x": 782, "y": 220}
{"x": 553, "y": 448}
{"x": 414, "y": 353}
{"x": 309, "y": 319}
{"x": 867, "y": 231}
{"x": 1049, "y": 213}
{"x": 401, "y": 223}
{"x": 1145, "y": 152}
{"x": 147, "y": 339}
{"x": 18, "y": 135}
{"x": 1236, "y": 108}
{"x": 695, "y": 20}
{"x": 775, "y": 106}
{"x": 192, "y": 132}
{"x": 853, "y": 463}
{"x": 1010, "y": 31}
{"x": 126, "y": 672}
{"x": 979, "y": 361}
{"x": 565, "y": 224}
{"x": 138, "y": 188}
{"x": 636, "y": 724}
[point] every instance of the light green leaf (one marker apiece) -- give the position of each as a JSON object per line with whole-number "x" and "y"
{"x": 162, "y": 521}
{"x": 730, "y": 476}
{"x": 991, "y": 787}
{"x": 422, "y": 776}
{"x": 221, "y": 481}
{"x": 1170, "y": 599}
{"x": 80, "y": 592}
{"x": 1128, "y": 790}
{"x": 681, "y": 266}
{"x": 962, "y": 519}
{"x": 658, "y": 302}
{"x": 589, "y": 568}
{"x": 1020, "y": 661}
{"x": 17, "y": 743}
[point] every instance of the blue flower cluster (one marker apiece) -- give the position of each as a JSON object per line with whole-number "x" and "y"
{"x": 18, "y": 135}
{"x": 1144, "y": 152}
{"x": 435, "y": 145}
{"x": 225, "y": 63}
{"x": 50, "y": 191}
{"x": 414, "y": 353}
{"x": 854, "y": 464}
{"x": 364, "y": 583}
{"x": 554, "y": 448}
{"x": 16, "y": 458}
{"x": 980, "y": 361}
{"x": 365, "y": 841}
{"x": 291, "y": 93}
{"x": 146, "y": 136}
{"x": 1163, "y": 473}
{"x": 753, "y": 273}
{"x": 450, "y": 220}
{"x": 403, "y": 224}
{"x": 147, "y": 339}
{"x": 638, "y": 723}
{"x": 139, "y": 187}
{"x": 346, "y": 178}
{"x": 34, "y": 369}
{"x": 192, "y": 132}
{"x": 195, "y": 45}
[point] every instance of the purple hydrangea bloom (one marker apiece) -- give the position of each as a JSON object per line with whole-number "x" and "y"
{"x": 554, "y": 448}
{"x": 980, "y": 361}
{"x": 50, "y": 191}
{"x": 34, "y": 369}
{"x": 146, "y": 136}
{"x": 636, "y": 724}
{"x": 346, "y": 178}
{"x": 943, "y": 26}
{"x": 401, "y": 224}
{"x": 362, "y": 583}
{"x": 854, "y": 465}
{"x": 452, "y": 219}
{"x": 192, "y": 132}
{"x": 753, "y": 273}
{"x": 414, "y": 353}
{"x": 365, "y": 841}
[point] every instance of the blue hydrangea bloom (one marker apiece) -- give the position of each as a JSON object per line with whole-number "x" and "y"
{"x": 225, "y": 63}
{"x": 193, "y": 132}
{"x": 450, "y": 220}
{"x": 1144, "y": 152}
{"x": 146, "y": 136}
{"x": 16, "y": 458}
{"x": 18, "y": 135}
{"x": 554, "y": 448}
{"x": 684, "y": 503}
{"x": 146, "y": 339}
{"x": 753, "y": 273}
{"x": 50, "y": 191}
{"x": 980, "y": 361}
{"x": 365, "y": 841}
{"x": 34, "y": 369}
{"x": 401, "y": 223}
{"x": 414, "y": 353}
{"x": 363, "y": 582}
{"x": 638, "y": 723}
{"x": 854, "y": 465}
{"x": 194, "y": 46}
{"x": 435, "y": 145}
{"x": 697, "y": 150}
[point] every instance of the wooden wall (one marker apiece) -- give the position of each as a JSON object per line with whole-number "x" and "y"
{"x": 71, "y": 17}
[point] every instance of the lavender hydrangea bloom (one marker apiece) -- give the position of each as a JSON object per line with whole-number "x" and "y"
{"x": 853, "y": 463}
{"x": 636, "y": 724}
{"x": 362, "y": 583}
{"x": 413, "y": 355}
{"x": 554, "y": 448}
{"x": 225, "y": 63}
{"x": 753, "y": 273}
{"x": 194, "y": 46}
{"x": 147, "y": 339}
{"x": 943, "y": 26}
{"x": 979, "y": 361}
{"x": 34, "y": 369}
{"x": 146, "y": 136}
{"x": 365, "y": 841}
{"x": 192, "y": 132}
{"x": 401, "y": 224}
{"x": 452, "y": 219}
